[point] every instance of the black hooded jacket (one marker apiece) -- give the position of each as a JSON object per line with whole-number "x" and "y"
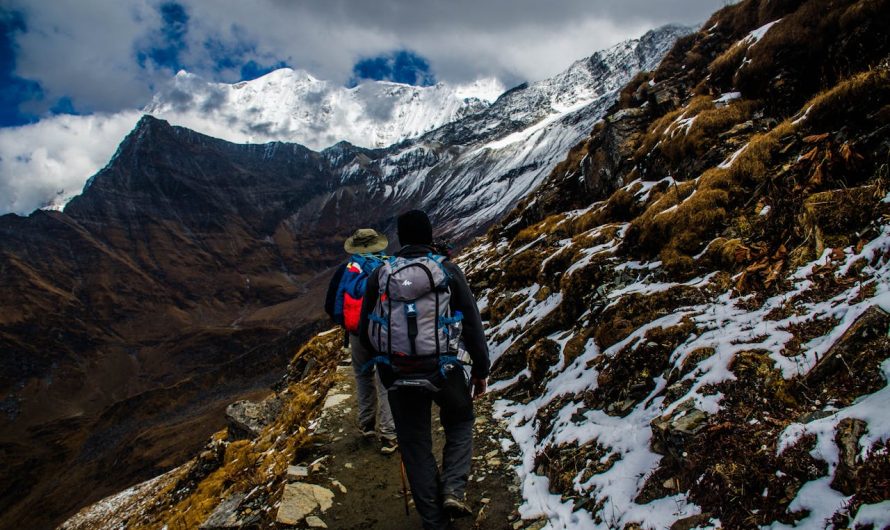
{"x": 461, "y": 300}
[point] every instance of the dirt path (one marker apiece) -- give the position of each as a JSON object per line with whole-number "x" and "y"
{"x": 367, "y": 484}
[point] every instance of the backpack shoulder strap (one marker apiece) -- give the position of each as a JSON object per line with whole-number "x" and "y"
{"x": 439, "y": 260}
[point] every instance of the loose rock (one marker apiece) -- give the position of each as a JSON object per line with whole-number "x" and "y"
{"x": 315, "y": 522}
{"x": 300, "y": 499}
{"x": 297, "y": 472}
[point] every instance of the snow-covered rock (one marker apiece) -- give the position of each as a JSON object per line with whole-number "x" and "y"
{"x": 293, "y": 106}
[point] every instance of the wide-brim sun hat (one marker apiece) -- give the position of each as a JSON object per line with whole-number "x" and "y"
{"x": 364, "y": 241}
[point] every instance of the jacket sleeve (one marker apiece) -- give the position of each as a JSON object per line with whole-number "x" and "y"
{"x": 330, "y": 300}
{"x": 368, "y": 303}
{"x": 473, "y": 335}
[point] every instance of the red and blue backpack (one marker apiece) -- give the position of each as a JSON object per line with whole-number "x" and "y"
{"x": 351, "y": 290}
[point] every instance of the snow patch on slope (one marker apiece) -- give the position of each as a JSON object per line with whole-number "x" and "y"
{"x": 722, "y": 324}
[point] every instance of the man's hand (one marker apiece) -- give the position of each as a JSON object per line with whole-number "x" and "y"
{"x": 480, "y": 385}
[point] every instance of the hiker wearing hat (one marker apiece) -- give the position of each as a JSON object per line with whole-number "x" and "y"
{"x": 343, "y": 303}
{"x": 419, "y": 315}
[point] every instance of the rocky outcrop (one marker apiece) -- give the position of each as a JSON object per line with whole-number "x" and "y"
{"x": 247, "y": 419}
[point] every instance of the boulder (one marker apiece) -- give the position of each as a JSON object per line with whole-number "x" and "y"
{"x": 247, "y": 419}
{"x": 300, "y": 499}
{"x": 671, "y": 433}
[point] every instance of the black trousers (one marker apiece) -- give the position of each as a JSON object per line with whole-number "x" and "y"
{"x": 411, "y": 410}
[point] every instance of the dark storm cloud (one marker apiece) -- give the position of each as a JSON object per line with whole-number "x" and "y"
{"x": 180, "y": 100}
{"x": 492, "y": 15}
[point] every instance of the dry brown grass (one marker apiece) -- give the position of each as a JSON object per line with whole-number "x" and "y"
{"x": 832, "y": 219}
{"x": 849, "y": 100}
{"x": 722, "y": 251}
{"x": 724, "y": 67}
{"x": 522, "y": 270}
{"x": 621, "y": 206}
{"x": 667, "y": 124}
{"x": 703, "y": 133}
{"x": 572, "y": 163}
{"x": 807, "y": 47}
{"x": 552, "y": 225}
{"x": 626, "y": 96}
{"x": 687, "y": 215}
{"x": 675, "y": 234}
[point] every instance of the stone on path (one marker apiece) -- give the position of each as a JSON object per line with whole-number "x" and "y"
{"x": 300, "y": 499}
{"x": 339, "y": 485}
{"x": 334, "y": 399}
{"x": 297, "y": 472}
{"x": 315, "y": 522}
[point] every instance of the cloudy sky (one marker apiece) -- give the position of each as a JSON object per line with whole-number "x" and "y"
{"x": 74, "y": 73}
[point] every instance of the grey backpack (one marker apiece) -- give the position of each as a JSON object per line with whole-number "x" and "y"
{"x": 412, "y": 326}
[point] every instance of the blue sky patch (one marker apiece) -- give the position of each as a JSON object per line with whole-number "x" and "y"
{"x": 401, "y": 66}
{"x": 14, "y": 90}
{"x": 167, "y": 43}
{"x": 252, "y": 69}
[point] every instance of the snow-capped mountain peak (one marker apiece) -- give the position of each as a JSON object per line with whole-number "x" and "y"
{"x": 293, "y": 105}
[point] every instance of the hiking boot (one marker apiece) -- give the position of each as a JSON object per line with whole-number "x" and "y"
{"x": 389, "y": 446}
{"x": 368, "y": 434}
{"x": 455, "y": 507}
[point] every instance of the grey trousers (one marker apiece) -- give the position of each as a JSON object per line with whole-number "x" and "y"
{"x": 372, "y": 399}
{"x": 411, "y": 408}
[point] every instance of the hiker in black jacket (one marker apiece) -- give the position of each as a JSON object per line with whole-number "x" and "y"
{"x": 436, "y": 495}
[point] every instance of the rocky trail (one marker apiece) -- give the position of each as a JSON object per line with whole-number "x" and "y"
{"x": 365, "y": 485}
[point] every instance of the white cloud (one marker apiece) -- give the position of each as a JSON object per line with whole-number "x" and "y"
{"x": 84, "y": 50}
{"x": 48, "y": 162}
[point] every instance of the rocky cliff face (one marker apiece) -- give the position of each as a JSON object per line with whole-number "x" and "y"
{"x": 130, "y": 319}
